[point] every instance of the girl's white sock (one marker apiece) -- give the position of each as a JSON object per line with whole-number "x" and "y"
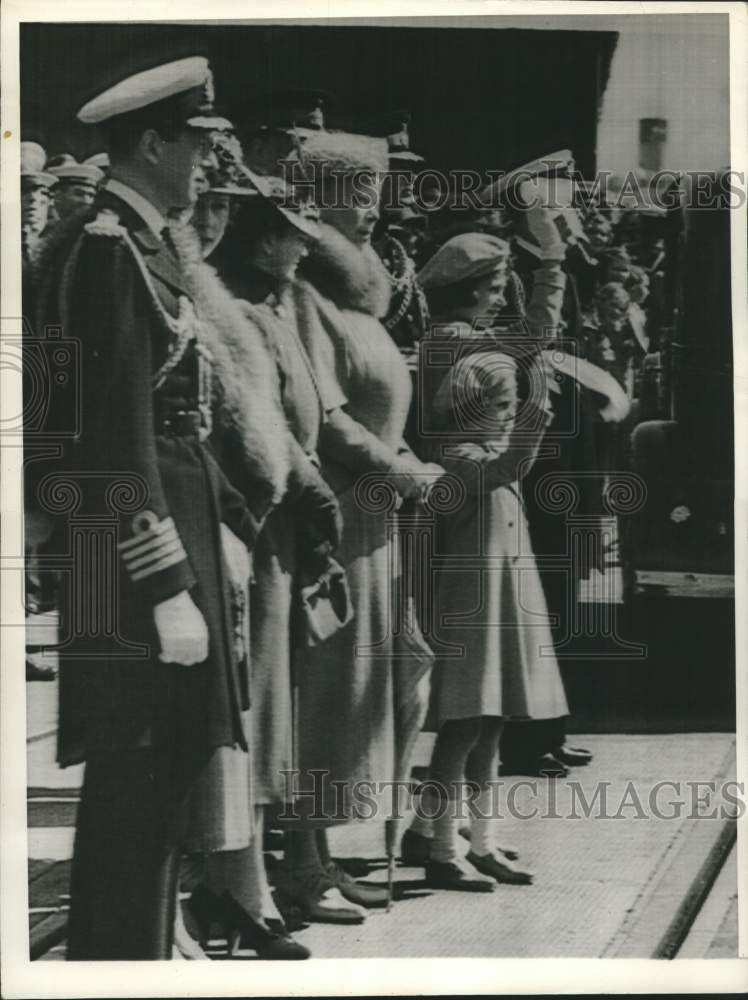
{"x": 482, "y": 824}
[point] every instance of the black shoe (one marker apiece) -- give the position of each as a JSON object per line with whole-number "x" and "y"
{"x": 499, "y": 868}
{"x": 572, "y": 756}
{"x": 293, "y": 918}
{"x": 510, "y": 853}
{"x": 452, "y": 875}
{"x": 550, "y": 767}
{"x": 240, "y": 929}
{"x": 546, "y": 766}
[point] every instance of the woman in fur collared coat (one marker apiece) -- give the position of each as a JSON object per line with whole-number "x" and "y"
{"x": 256, "y": 448}
{"x": 346, "y": 698}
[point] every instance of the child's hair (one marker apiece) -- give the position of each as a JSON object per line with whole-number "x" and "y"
{"x": 444, "y": 299}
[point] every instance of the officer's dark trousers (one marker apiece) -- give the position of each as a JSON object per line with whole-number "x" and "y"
{"x": 126, "y": 856}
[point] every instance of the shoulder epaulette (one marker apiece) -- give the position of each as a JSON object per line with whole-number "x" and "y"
{"x": 106, "y": 223}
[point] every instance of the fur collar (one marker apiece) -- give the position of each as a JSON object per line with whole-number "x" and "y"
{"x": 353, "y": 277}
{"x": 244, "y": 365}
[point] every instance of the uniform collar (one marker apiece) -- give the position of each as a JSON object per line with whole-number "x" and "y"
{"x": 139, "y": 204}
{"x": 146, "y": 230}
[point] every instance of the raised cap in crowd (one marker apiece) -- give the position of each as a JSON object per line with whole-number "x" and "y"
{"x": 559, "y": 163}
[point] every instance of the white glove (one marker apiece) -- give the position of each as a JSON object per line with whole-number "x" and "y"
{"x": 540, "y": 221}
{"x": 181, "y": 629}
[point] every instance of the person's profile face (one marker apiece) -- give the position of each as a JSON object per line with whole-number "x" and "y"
{"x": 357, "y": 215}
{"x": 210, "y": 219}
{"x": 488, "y": 294}
{"x": 613, "y": 312}
{"x": 282, "y": 250}
{"x": 35, "y": 207}
{"x": 184, "y": 160}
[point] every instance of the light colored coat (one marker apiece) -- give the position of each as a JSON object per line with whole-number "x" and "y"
{"x": 489, "y": 605}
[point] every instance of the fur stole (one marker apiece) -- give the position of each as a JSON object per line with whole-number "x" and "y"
{"x": 352, "y": 277}
{"x": 244, "y": 366}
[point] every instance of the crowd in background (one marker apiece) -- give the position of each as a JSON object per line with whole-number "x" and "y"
{"x": 314, "y": 377}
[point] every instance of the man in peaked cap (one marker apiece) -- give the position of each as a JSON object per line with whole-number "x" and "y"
{"x": 100, "y": 160}
{"x": 278, "y": 122}
{"x": 76, "y": 183}
{"x": 297, "y": 107}
{"x": 145, "y": 701}
{"x": 36, "y": 187}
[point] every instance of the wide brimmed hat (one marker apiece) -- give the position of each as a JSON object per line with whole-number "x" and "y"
{"x": 470, "y": 255}
{"x": 227, "y": 175}
{"x": 231, "y": 176}
{"x": 302, "y": 214}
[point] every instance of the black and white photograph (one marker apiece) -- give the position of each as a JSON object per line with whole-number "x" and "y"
{"x": 371, "y": 588}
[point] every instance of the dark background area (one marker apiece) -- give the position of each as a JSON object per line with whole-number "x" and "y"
{"x": 480, "y": 98}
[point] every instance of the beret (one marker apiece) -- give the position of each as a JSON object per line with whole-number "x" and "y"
{"x": 469, "y": 255}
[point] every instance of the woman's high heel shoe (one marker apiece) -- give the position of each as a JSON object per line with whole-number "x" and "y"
{"x": 240, "y": 929}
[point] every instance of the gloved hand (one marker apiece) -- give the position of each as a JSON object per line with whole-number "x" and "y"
{"x": 181, "y": 629}
{"x": 540, "y": 222}
{"x": 412, "y": 477}
{"x": 321, "y": 522}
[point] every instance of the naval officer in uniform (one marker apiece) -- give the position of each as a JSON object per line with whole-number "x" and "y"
{"x": 144, "y": 721}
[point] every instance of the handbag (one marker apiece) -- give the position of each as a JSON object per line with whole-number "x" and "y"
{"x": 324, "y": 604}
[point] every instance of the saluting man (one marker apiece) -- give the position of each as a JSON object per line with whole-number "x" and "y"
{"x": 144, "y": 725}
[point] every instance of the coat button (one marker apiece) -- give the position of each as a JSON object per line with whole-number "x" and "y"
{"x": 510, "y": 524}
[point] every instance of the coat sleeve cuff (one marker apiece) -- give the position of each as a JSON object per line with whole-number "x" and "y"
{"x": 154, "y": 558}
